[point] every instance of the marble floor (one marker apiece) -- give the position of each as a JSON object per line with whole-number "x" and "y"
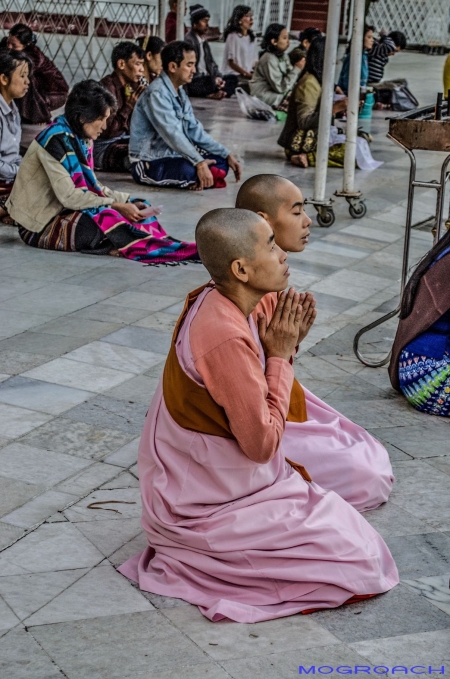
{"x": 82, "y": 345}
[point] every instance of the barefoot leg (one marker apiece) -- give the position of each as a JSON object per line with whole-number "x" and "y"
{"x": 300, "y": 160}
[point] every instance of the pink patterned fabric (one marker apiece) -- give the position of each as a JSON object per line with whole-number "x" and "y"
{"x": 249, "y": 541}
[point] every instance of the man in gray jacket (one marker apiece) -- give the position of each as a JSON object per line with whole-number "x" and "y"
{"x": 168, "y": 145}
{"x": 208, "y": 81}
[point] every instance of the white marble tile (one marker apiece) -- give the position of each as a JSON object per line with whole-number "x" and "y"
{"x": 160, "y": 320}
{"x": 351, "y": 285}
{"x": 336, "y": 249}
{"x": 41, "y": 396}
{"x": 374, "y": 234}
{"x": 435, "y": 589}
{"x": 7, "y": 617}
{"x": 26, "y": 594}
{"x": 122, "y": 503}
{"x": 38, "y": 509}
{"x": 9, "y": 534}
{"x": 423, "y": 648}
{"x": 111, "y": 535}
{"x": 14, "y": 322}
{"x": 142, "y": 300}
{"x": 301, "y": 281}
{"x": 88, "y": 479}
{"x": 124, "y": 480}
{"x": 15, "y": 421}
{"x": 56, "y": 299}
{"x": 79, "y": 375}
{"x": 231, "y": 640}
{"x": 52, "y": 547}
{"x": 34, "y": 465}
{"x": 21, "y": 657}
{"x": 125, "y": 456}
{"x": 99, "y": 593}
{"x": 106, "y": 355}
{"x": 129, "y": 550}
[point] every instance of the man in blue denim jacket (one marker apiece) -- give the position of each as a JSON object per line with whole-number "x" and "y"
{"x": 168, "y": 145}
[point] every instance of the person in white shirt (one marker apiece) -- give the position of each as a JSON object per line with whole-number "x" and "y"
{"x": 241, "y": 49}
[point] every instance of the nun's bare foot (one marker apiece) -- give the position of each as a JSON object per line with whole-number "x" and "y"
{"x": 300, "y": 160}
{"x": 114, "y": 253}
{"x": 194, "y": 187}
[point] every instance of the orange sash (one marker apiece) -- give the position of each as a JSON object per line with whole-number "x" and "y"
{"x": 192, "y": 407}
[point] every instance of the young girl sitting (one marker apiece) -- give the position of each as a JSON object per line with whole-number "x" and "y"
{"x": 274, "y": 75}
{"x": 14, "y": 83}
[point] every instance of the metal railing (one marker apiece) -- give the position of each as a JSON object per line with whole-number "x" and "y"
{"x": 424, "y": 22}
{"x": 79, "y": 36}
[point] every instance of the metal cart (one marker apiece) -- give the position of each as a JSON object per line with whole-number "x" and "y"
{"x": 416, "y": 130}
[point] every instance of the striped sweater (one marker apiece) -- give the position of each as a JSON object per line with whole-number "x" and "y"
{"x": 378, "y": 58}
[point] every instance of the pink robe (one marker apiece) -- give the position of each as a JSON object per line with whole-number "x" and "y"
{"x": 241, "y": 539}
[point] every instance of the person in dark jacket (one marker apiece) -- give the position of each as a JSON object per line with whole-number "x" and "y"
{"x": 125, "y": 84}
{"x": 48, "y": 89}
{"x": 208, "y": 81}
{"x": 420, "y": 363}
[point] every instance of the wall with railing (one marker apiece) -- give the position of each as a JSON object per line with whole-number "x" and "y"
{"x": 424, "y": 22}
{"x": 79, "y": 35}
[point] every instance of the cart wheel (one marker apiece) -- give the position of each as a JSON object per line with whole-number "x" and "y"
{"x": 358, "y": 211}
{"x": 326, "y": 218}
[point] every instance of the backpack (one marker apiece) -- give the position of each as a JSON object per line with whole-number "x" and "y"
{"x": 396, "y": 94}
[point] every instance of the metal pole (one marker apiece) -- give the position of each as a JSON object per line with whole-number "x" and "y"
{"x": 162, "y": 19}
{"x": 350, "y": 20}
{"x": 181, "y": 8}
{"x": 266, "y": 15}
{"x": 354, "y": 85}
{"x": 280, "y": 11}
{"x": 326, "y": 103}
{"x": 91, "y": 34}
{"x": 289, "y": 17}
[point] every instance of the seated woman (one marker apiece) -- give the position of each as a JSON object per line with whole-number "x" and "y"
{"x": 14, "y": 83}
{"x": 299, "y": 135}
{"x": 274, "y": 76}
{"x": 48, "y": 89}
{"x": 345, "y": 71}
{"x": 60, "y": 205}
{"x": 241, "y": 48}
{"x": 152, "y": 46}
{"x": 420, "y": 363}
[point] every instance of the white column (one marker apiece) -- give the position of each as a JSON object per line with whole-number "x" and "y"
{"x": 181, "y": 7}
{"x": 290, "y": 12}
{"x": 266, "y": 16}
{"x": 162, "y": 19}
{"x": 280, "y": 11}
{"x": 326, "y": 103}
{"x": 354, "y": 85}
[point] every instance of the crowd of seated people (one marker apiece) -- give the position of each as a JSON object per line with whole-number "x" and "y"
{"x": 148, "y": 125}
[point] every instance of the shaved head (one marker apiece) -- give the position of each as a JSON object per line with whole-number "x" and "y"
{"x": 225, "y": 235}
{"x": 263, "y": 193}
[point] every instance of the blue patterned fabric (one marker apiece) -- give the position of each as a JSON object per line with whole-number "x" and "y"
{"x": 425, "y": 382}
